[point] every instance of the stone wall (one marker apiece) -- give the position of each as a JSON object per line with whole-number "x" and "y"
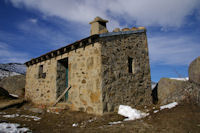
{"x": 41, "y": 90}
{"x": 84, "y": 66}
{"x": 85, "y": 79}
{"x": 119, "y": 86}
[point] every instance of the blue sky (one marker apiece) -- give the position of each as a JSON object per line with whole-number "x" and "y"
{"x": 29, "y": 28}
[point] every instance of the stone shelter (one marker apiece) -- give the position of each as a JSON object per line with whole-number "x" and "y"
{"x": 104, "y": 70}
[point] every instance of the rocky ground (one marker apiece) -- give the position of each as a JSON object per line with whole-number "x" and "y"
{"x": 184, "y": 118}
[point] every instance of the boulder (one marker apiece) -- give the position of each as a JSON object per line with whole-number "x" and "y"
{"x": 3, "y": 93}
{"x": 194, "y": 71}
{"x": 170, "y": 90}
{"x": 14, "y": 85}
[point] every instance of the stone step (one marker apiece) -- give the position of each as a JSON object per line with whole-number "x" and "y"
{"x": 58, "y": 108}
{"x": 62, "y": 105}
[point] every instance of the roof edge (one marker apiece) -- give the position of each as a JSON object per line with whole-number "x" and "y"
{"x": 122, "y": 32}
{"x": 73, "y": 46}
{"x": 78, "y": 44}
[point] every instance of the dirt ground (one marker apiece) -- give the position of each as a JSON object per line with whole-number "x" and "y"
{"x": 184, "y": 118}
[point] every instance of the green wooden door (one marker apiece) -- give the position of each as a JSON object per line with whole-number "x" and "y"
{"x": 66, "y": 94}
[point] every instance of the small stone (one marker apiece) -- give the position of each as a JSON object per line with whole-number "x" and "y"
{"x": 134, "y": 28}
{"x": 126, "y": 29}
{"x": 116, "y": 30}
{"x": 141, "y": 28}
{"x": 83, "y": 81}
{"x": 36, "y": 110}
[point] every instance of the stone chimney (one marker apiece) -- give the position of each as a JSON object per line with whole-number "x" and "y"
{"x": 98, "y": 26}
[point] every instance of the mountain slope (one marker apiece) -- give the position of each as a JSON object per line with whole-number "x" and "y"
{"x": 12, "y": 69}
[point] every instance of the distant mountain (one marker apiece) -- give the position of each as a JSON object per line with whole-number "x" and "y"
{"x": 11, "y": 69}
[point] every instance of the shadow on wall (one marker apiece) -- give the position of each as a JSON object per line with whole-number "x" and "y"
{"x": 154, "y": 94}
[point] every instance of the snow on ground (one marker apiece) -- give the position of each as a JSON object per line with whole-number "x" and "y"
{"x": 2, "y": 113}
{"x": 12, "y": 128}
{"x": 75, "y": 125}
{"x": 4, "y": 74}
{"x": 131, "y": 113}
{"x": 113, "y": 123}
{"x": 35, "y": 118}
{"x": 11, "y": 116}
{"x": 14, "y": 95}
{"x": 168, "y": 106}
{"x": 155, "y": 111}
{"x": 183, "y": 79}
{"x": 14, "y": 67}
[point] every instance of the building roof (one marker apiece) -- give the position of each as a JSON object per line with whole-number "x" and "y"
{"x": 78, "y": 44}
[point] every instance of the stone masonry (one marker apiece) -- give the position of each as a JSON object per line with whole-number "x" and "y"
{"x": 104, "y": 70}
{"x": 119, "y": 86}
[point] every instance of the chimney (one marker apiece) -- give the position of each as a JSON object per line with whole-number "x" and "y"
{"x": 98, "y": 26}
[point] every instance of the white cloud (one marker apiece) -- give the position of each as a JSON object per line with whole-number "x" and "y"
{"x": 33, "y": 20}
{"x": 173, "y": 50}
{"x": 8, "y": 55}
{"x": 142, "y": 12}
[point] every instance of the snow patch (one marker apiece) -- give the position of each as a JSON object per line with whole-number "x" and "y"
{"x": 35, "y": 118}
{"x": 131, "y": 113}
{"x": 91, "y": 120}
{"x": 2, "y": 113}
{"x": 169, "y": 106}
{"x": 182, "y": 79}
{"x": 75, "y": 125}
{"x": 155, "y": 111}
{"x": 113, "y": 123}
{"x": 11, "y": 116}
{"x": 4, "y": 73}
{"x": 12, "y": 128}
{"x": 14, "y": 95}
{"x": 14, "y": 67}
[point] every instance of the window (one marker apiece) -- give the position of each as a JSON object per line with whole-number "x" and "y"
{"x": 130, "y": 65}
{"x": 41, "y": 73}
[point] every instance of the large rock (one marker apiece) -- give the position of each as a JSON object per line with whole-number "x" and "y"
{"x": 194, "y": 71}
{"x": 3, "y": 93}
{"x": 170, "y": 90}
{"x": 14, "y": 85}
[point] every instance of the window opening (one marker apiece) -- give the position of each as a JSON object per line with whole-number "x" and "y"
{"x": 130, "y": 65}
